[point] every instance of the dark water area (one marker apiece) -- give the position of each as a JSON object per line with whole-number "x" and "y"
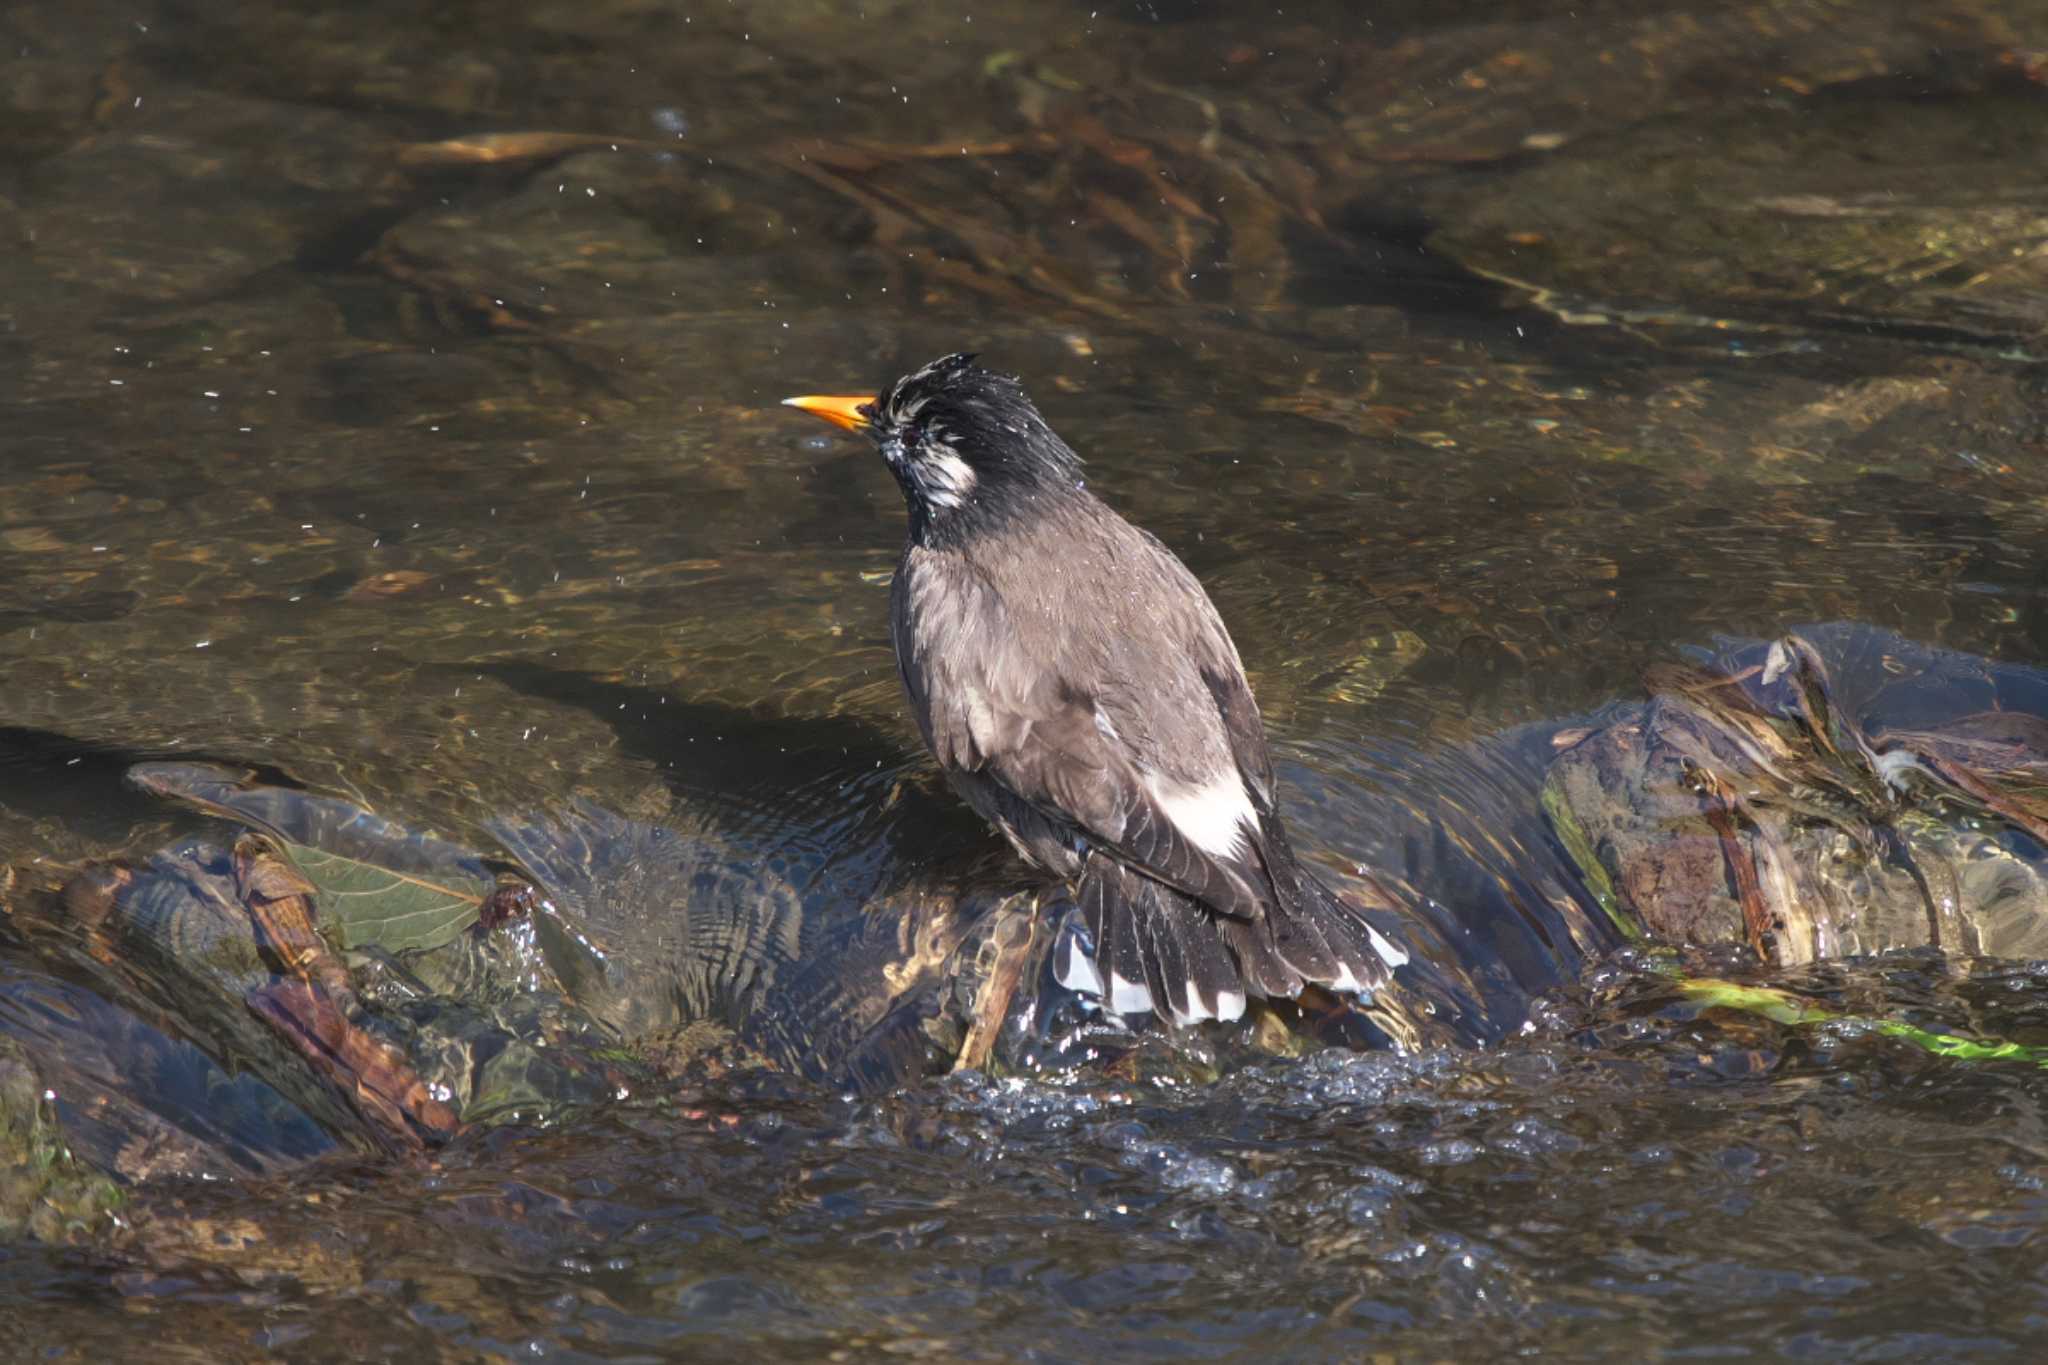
{"x": 388, "y": 408}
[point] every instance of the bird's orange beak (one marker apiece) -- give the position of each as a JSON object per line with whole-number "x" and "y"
{"x": 842, "y": 411}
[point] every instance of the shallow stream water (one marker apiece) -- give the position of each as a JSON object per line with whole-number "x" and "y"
{"x": 387, "y": 402}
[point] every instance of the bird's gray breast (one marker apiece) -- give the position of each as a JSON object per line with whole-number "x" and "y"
{"x": 960, "y": 658}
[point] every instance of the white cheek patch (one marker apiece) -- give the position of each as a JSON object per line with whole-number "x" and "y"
{"x": 1213, "y": 817}
{"x": 944, "y": 478}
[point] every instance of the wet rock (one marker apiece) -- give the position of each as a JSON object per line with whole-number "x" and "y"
{"x": 1754, "y": 802}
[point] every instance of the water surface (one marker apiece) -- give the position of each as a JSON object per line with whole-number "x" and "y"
{"x": 387, "y": 401}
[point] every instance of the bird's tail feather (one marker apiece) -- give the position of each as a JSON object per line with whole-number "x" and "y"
{"x": 1316, "y": 932}
{"x": 1157, "y": 950}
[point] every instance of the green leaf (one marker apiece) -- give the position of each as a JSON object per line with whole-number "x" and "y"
{"x": 362, "y": 905}
{"x": 1783, "y": 1007}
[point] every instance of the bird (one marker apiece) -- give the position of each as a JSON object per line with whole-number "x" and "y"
{"x": 1079, "y": 690}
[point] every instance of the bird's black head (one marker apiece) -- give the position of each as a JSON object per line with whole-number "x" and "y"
{"x": 966, "y": 445}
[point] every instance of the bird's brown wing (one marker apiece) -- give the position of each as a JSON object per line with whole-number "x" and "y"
{"x": 991, "y": 715}
{"x": 1179, "y": 923}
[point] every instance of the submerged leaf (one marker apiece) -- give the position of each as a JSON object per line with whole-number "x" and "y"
{"x": 1783, "y": 1007}
{"x": 362, "y": 905}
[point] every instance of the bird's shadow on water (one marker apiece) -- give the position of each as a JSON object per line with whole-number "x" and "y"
{"x": 840, "y": 787}
{"x": 707, "y": 747}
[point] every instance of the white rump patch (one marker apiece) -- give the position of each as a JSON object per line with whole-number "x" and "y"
{"x": 1389, "y": 954}
{"x": 1213, "y": 818}
{"x": 1229, "y": 1005}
